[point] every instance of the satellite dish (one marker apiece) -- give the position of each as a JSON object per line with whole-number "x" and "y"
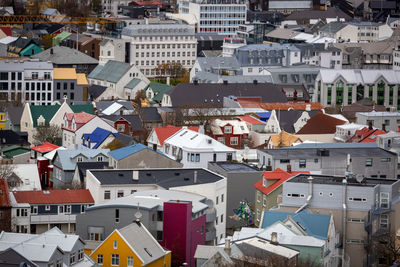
{"x": 138, "y": 215}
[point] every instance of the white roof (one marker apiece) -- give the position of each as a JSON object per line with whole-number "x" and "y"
{"x": 339, "y": 117}
{"x": 8, "y": 39}
{"x": 266, "y": 245}
{"x": 51, "y": 154}
{"x": 193, "y": 141}
{"x": 112, "y": 108}
{"x": 350, "y": 126}
{"x": 239, "y": 127}
{"x": 190, "y": 19}
{"x": 360, "y": 76}
{"x": 379, "y": 114}
{"x": 29, "y": 175}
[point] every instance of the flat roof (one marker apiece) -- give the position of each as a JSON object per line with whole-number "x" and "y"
{"x": 234, "y": 167}
{"x": 338, "y": 180}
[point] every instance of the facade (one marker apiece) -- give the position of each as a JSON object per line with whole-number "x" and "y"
{"x": 337, "y": 87}
{"x": 152, "y": 45}
{"x": 26, "y": 81}
{"x": 222, "y": 17}
{"x": 69, "y": 85}
{"x": 233, "y": 133}
{"x": 158, "y": 135}
{"x": 35, "y": 212}
{"x": 195, "y": 150}
{"x": 387, "y": 121}
{"x": 367, "y": 160}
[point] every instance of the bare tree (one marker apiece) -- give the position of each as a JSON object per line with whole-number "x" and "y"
{"x": 6, "y": 171}
{"x": 51, "y": 134}
{"x": 386, "y": 247}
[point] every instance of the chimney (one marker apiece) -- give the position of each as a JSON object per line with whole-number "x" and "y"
{"x": 225, "y": 82}
{"x": 274, "y": 238}
{"x": 121, "y": 112}
{"x": 326, "y": 44}
{"x": 289, "y": 168}
{"x": 195, "y": 82}
{"x": 168, "y": 80}
{"x": 195, "y": 177}
{"x": 135, "y": 176}
{"x": 383, "y": 127}
{"x": 51, "y": 51}
{"x": 308, "y": 107}
{"x": 227, "y": 247}
{"x": 370, "y": 125}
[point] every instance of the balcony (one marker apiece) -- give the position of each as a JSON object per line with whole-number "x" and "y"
{"x": 53, "y": 218}
{"x": 211, "y": 215}
{"x": 211, "y": 234}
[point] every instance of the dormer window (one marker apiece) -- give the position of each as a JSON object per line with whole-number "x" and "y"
{"x": 264, "y": 182}
{"x": 228, "y": 129}
{"x": 100, "y": 158}
{"x": 79, "y": 159}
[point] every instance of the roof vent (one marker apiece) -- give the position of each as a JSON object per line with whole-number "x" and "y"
{"x": 209, "y": 141}
{"x": 46, "y": 192}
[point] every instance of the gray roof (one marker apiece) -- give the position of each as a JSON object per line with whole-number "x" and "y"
{"x": 134, "y": 120}
{"x": 10, "y": 258}
{"x": 104, "y": 104}
{"x": 333, "y": 27}
{"x": 66, "y": 157}
{"x": 287, "y": 118}
{"x": 84, "y": 166}
{"x": 157, "y": 30}
{"x": 96, "y": 90}
{"x": 14, "y": 114}
{"x": 209, "y": 37}
{"x": 21, "y": 65}
{"x": 132, "y": 84}
{"x": 209, "y": 77}
{"x": 166, "y": 178}
{"x": 338, "y": 180}
{"x": 331, "y": 12}
{"x": 63, "y": 55}
{"x": 268, "y": 47}
{"x": 234, "y": 166}
{"x": 112, "y": 71}
{"x": 142, "y": 242}
{"x": 150, "y": 114}
{"x": 225, "y": 63}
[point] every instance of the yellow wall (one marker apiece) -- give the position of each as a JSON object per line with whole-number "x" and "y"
{"x": 162, "y": 262}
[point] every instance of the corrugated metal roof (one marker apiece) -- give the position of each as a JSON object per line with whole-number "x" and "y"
{"x": 112, "y": 71}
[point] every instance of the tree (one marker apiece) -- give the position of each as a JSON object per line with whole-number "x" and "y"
{"x": 6, "y": 171}
{"x": 114, "y": 144}
{"x": 172, "y": 69}
{"x": 140, "y": 95}
{"x": 51, "y": 134}
{"x": 386, "y": 247}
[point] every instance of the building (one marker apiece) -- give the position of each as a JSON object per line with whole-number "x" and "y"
{"x": 99, "y": 138}
{"x": 140, "y": 156}
{"x": 222, "y": 17}
{"x": 23, "y": 47}
{"x": 52, "y": 247}
{"x": 195, "y": 150}
{"x": 155, "y": 92}
{"x": 36, "y": 212}
{"x": 151, "y": 45}
{"x": 282, "y": 139}
{"x": 158, "y": 135}
{"x": 387, "y": 121}
{"x": 65, "y": 57}
{"x": 106, "y": 185}
{"x": 5, "y": 206}
{"x": 321, "y": 55}
{"x": 70, "y": 85}
{"x": 344, "y": 87}
{"x": 26, "y": 81}
{"x": 127, "y": 124}
{"x": 85, "y": 44}
{"x": 135, "y": 245}
{"x": 233, "y": 133}
{"x": 366, "y": 159}
{"x": 113, "y": 8}
{"x": 362, "y": 211}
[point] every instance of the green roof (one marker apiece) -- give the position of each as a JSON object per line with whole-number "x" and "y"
{"x": 30, "y": 50}
{"x": 88, "y": 108}
{"x": 46, "y": 111}
{"x": 112, "y": 71}
{"x": 159, "y": 90}
{"x": 132, "y": 84}
{"x": 12, "y": 151}
{"x": 57, "y": 39}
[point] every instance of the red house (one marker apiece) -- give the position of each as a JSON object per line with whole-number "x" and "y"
{"x": 43, "y": 163}
{"x": 128, "y": 124}
{"x": 232, "y": 133}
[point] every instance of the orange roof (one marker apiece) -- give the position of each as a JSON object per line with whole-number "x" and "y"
{"x": 366, "y": 135}
{"x": 54, "y": 196}
{"x": 81, "y": 117}
{"x": 245, "y": 103}
{"x": 46, "y": 147}
{"x": 251, "y": 120}
{"x": 279, "y": 175}
{"x": 64, "y": 73}
{"x": 165, "y": 132}
{"x": 81, "y": 79}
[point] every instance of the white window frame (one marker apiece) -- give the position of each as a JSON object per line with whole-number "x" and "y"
{"x": 100, "y": 259}
{"x": 129, "y": 261}
{"x": 234, "y": 141}
{"x": 114, "y": 259}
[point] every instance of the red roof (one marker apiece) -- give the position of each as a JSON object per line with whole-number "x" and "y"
{"x": 6, "y": 30}
{"x": 80, "y": 119}
{"x": 279, "y": 176}
{"x": 5, "y": 200}
{"x": 46, "y": 147}
{"x": 164, "y": 133}
{"x": 321, "y": 124}
{"x": 365, "y": 135}
{"x": 251, "y": 120}
{"x": 149, "y": 3}
{"x": 54, "y": 196}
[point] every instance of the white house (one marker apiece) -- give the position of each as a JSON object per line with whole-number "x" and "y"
{"x": 195, "y": 150}
{"x": 77, "y": 124}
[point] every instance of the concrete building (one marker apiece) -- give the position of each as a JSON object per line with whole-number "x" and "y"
{"x": 388, "y": 121}
{"x": 70, "y": 85}
{"x": 366, "y": 159}
{"x": 106, "y": 185}
{"x": 151, "y": 45}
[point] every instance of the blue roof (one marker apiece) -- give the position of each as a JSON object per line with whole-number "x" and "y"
{"x": 316, "y": 225}
{"x": 334, "y": 145}
{"x": 264, "y": 116}
{"x": 67, "y": 156}
{"x": 97, "y": 136}
{"x": 124, "y": 152}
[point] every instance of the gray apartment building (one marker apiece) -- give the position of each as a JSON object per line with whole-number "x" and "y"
{"x": 240, "y": 186}
{"x": 388, "y": 121}
{"x": 362, "y": 211}
{"x": 365, "y": 159}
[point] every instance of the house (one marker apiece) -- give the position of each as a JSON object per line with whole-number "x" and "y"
{"x": 13, "y": 258}
{"x": 118, "y": 107}
{"x": 65, "y": 161}
{"x": 25, "y": 177}
{"x": 369, "y": 206}
{"x": 5, "y": 206}
{"x": 309, "y": 17}
{"x": 150, "y": 117}
{"x": 158, "y": 135}
{"x": 387, "y": 121}
{"x": 282, "y": 139}
{"x": 85, "y": 44}
{"x": 35, "y": 211}
{"x": 136, "y": 246}
{"x": 127, "y": 124}
{"x": 364, "y": 105}
{"x": 239, "y": 178}
{"x": 253, "y": 123}
{"x": 233, "y": 133}
{"x": 14, "y": 155}
{"x": 79, "y": 177}
{"x": 194, "y": 149}
{"x": 140, "y": 156}
{"x": 52, "y": 247}
{"x": 268, "y": 190}
{"x": 70, "y": 84}
{"x": 78, "y": 124}
{"x": 34, "y": 116}
{"x": 10, "y": 117}
{"x": 99, "y": 138}
{"x": 366, "y": 159}
{"x": 366, "y": 135}
{"x": 96, "y": 92}
{"x": 116, "y": 76}
{"x": 44, "y": 167}
{"x": 65, "y": 57}
{"x": 345, "y": 132}
{"x": 106, "y": 185}
{"x": 24, "y": 47}
{"x": 155, "y": 92}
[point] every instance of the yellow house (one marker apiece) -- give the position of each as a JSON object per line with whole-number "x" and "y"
{"x": 131, "y": 246}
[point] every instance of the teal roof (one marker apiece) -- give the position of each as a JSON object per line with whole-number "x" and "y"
{"x": 316, "y": 225}
{"x": 159, "y": 90}
{"x": 112, "y": 71}
{"x": 132, "y": 84}
{"x": 88, "y": 108}
{"x": 46, "y": 111}
{"x": 27, "y": 51}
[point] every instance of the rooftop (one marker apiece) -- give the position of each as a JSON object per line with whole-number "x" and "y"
{"x": 321, "y": 123}
{"x": 233, "y": 166}
{"x": 53, "y": 196}
{"x": 112, "y": 71}
{"x": 157, "y": 30}
{"x": 378, "y": 114}
{"x": 338, "y": 180}
{"x": 165, "y": 132}
{"x": 45, "y": 147}
{"x": 62, "y": 55}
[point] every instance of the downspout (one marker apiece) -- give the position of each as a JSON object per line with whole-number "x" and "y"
{"x": 344, "y": 194}
{"x": 309, "y": 197}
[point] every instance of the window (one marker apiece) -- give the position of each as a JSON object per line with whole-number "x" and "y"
{"x": 283, "y": 161}
{"x": 72, "y": 258}
{"x": 384, "y": 221}
{"x": 47, "y": 207}
{"x": 22, "y": 212}
{"x": 222, "y": 218}
{"x": 384, "y": 203}
{"x": 34, "y": 209}
{"x": 222, "y": 198}
{"x": 65, "y": 86}
{"x": 357, "y": 220}
{"x": 385, "y": 159}
{"x": 129, "y": 261}
{"x": 117, "y": 215}
{"x": 357, "y": 199}
{"x": 228, "y": 129}
{"x": 368, "y": 162}
{"x": 72, "y": 86}
{"x": 79, "y": 159}
{"x": 234, "y": 140}
{"x": 100, "y": 158}
{"x": 80, "y": 255}
{"x": 120, "y": 193}
{"x": 35, "y": 75}
{"x": 258, "y": 215}
{"x": 107, "y": 194}
{"x": 258, "y": 196}
{"x": 115, "y": 244}
{"x": 67, "y": 209}
{"x": 115, "y": 259}
{"x": 216, "y": 201}
{"x": 264, "y": 200}
{"x": 302, "y": 163}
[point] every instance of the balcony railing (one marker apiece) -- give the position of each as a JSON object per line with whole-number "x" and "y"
{"x": 211, "y": 215}
{"x": 53, "y": 218}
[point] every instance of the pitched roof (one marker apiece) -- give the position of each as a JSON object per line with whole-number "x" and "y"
{"x": 133, "y": 119}
{"x": 283, "y": 139}
{"x": 365, "y": 135}
{"x": 213, "y": 94}
{"x": 150, "y": 114}
{"x": 132, "y": 84}
{"x": 124, "y": 152}
{"x": 287, "y": 118}
{"x": 10, "y": 257}
{"x": 239, "y": 127}
{"x": 53, "y": 196}
{"x": 46, "y": 111}
{"x": 84, "y": 166}
{"x": 66, "y": 156}
{"x": 251, "y": 120}
{"x": 104, "y": 104}
{"x": 333, "y": 27}
{"x": 6, "y": 30}
{"x": 63, "y": 55}
{"x": 279, "y": 176}
{"x": 165, "y": 132}
{"x": 331, "y": 12}
{"x": 80, "y": 118}
{"x": 350, "y": 111}
{"x": 96, "y": 90}
{"x": 97, "y": 136}
{"x": 316, "y": 225}
{"x": 321, "y": 124}
{"x": 112, "y": 71}
{"x": 5, "y": 200}
{"x": 14, "y": 114}
{"x": 45, "y": 147}
{"x": 159, "y": 90}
